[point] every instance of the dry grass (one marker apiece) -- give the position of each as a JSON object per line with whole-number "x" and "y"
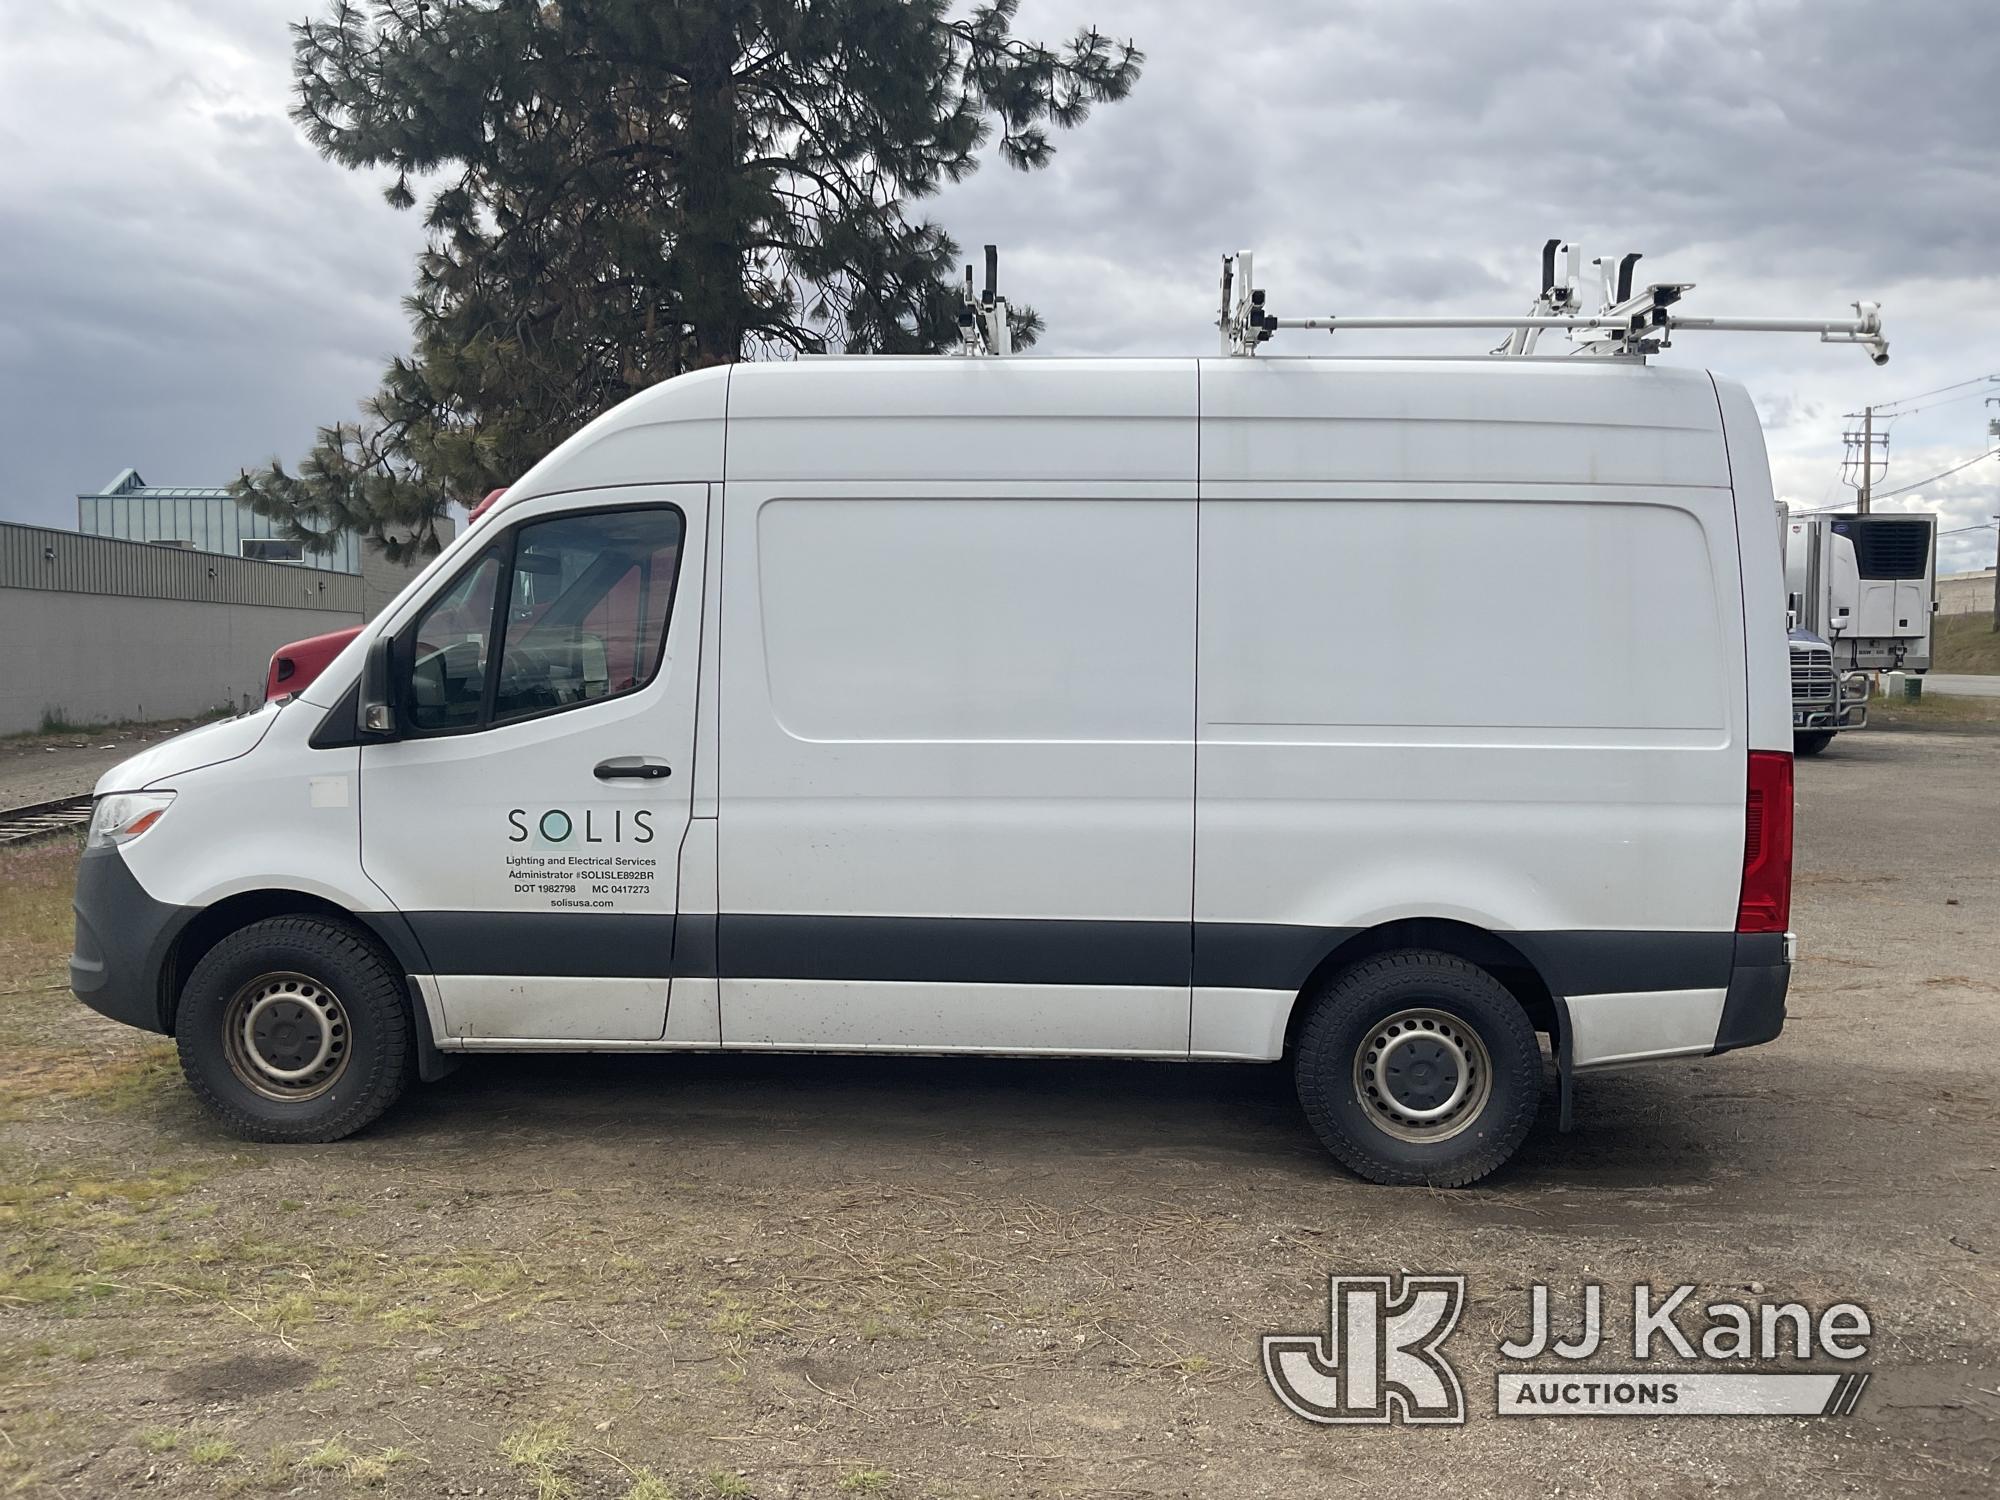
{"x": 335, "y": 1457}
{"x": 36, "y": 924}
{"x": 53, "y": 1052}
{"x": 538, "y": 1450}
{"x": 208, "y": 1448}
{"x": 32, "y": 1078}
{"x": 647, "y": 1485}
{"x": 1932, "y": 711}
{"x": 1965, "y": 643}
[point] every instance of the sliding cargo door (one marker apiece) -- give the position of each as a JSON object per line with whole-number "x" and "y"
{"x": 957, "y": 797}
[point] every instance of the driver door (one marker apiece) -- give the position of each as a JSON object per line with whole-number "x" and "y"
{"x": 528, "y": 818}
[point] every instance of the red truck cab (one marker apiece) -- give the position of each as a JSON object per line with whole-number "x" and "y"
{"x": 293, "y": 666}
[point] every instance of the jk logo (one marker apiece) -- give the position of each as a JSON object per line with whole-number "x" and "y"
{"x": 1379, "y": 1359}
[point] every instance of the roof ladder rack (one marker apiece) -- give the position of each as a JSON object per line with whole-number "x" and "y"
{"x": 1627, "y": 323}
{"x": 982, "y": 317}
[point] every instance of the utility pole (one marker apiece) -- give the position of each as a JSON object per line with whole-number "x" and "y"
{"x": 1867, "y": 456}
{"x": 1865, "y": 451}
{"x": 1993, "y": 431}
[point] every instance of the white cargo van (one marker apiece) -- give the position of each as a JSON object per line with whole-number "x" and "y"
{"x": 1371, "y": 715}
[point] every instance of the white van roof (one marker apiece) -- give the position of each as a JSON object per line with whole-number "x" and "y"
{"x": 1369, "y": 422}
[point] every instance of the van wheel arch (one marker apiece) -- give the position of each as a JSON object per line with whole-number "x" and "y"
{"x": 387, "y": 930}
{"x": 1476, "y": 945}
{"x": 233, "y": 913}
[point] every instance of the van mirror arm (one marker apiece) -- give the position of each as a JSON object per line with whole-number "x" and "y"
{"x": 378, "y": 713}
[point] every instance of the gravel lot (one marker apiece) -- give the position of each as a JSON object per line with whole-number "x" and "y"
{"x": 43, "y": 767}
{"x": 768, "y": 1276}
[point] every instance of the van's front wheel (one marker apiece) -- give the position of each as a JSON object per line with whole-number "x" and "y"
{"x": 1416, "y": 1067}
{"x": 295, "y": 1029}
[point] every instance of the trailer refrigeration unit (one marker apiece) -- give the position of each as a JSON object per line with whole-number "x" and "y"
{"x": 1865, "y": 583}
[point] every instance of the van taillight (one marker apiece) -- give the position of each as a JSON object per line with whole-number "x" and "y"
{"x": 1766, "y": 904}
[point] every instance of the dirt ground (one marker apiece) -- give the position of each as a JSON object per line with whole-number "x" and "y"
{"x": 721, "y": 1277}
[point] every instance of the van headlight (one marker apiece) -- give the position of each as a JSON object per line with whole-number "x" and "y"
{"x": 123, "y": 816}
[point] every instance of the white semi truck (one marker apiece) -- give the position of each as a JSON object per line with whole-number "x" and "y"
{"x": 1859, "y": 594}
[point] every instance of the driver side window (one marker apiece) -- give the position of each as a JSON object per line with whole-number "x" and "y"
{"x": 581, "y": 616}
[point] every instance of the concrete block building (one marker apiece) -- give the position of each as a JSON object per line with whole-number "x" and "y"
{"x": 165, "y": 603}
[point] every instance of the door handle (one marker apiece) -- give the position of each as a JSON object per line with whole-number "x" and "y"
{"x": 635, "y": 767}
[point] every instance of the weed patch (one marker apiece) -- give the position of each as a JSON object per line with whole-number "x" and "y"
{"x": 538, "y": 1450}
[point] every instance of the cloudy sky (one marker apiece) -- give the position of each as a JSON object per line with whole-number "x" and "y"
{"x": 186, "y": 287}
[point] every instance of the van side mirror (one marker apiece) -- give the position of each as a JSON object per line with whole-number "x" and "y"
{"x": 378, "y": 712}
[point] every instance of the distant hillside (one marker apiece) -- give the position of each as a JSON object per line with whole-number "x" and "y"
{"x": 1965, "y": 643}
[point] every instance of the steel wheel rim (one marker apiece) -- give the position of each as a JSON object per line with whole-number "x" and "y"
{"x": 287, "y": 1037}
{"x": 1423, "y": 1075}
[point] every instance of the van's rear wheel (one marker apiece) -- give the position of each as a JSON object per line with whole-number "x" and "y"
{"x": 1416, "y": 1067}
{"x": 295, "y": 1029}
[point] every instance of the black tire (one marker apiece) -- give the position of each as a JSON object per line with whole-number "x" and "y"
{"x": 355, "y": 999}
{"x": 1811, "y": 744}
{"x": 1469, "y": 1006}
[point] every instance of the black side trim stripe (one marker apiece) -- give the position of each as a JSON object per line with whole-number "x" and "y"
{"x": 1006, "y": 950}
{"x": 956, "y": 950}
{"x": 1261, "y": 955}
{"x": 582, "y": 944}
{"x": 1608, "y": 963}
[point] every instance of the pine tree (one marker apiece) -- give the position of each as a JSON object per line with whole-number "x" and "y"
{"x": 623, "y": 190}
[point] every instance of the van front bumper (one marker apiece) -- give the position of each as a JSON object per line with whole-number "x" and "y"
{"x": 122, "y": 939}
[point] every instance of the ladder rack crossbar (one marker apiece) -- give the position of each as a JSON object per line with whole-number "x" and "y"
{"x": 1859, "y": 327}
{"x": 1628, "y": 323}
{"x": 1337, "y": 321}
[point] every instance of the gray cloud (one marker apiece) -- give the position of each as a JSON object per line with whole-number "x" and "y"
{"x": 189, "y": 288}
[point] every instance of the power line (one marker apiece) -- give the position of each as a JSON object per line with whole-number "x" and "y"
{"x": 1928, "y": 406}
{"x": 1904, "y": 490}
{"x": 1828, "y": 510}
{"x": 1955, "y": 385}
